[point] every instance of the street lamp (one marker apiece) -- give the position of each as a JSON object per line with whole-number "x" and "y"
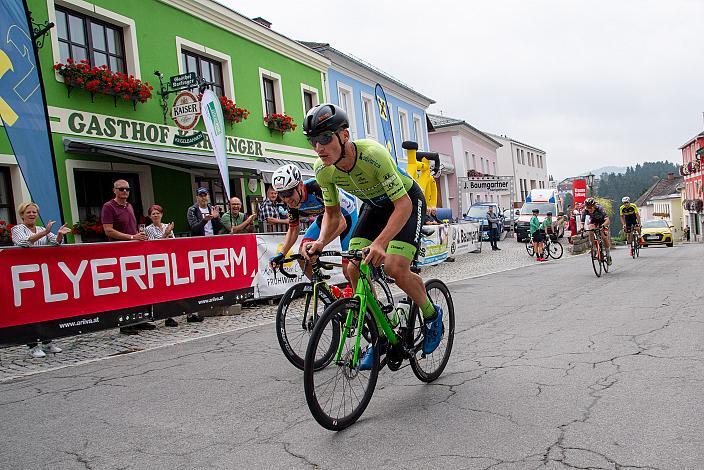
{"x": 590, "y": 183}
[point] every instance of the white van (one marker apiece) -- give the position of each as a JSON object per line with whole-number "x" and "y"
{"x": 545, "y": 200}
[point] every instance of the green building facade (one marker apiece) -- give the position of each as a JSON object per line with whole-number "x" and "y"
{"x": 100, "y": 137}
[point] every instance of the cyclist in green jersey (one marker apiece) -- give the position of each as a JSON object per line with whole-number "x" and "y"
{"x": 392, "y": 212}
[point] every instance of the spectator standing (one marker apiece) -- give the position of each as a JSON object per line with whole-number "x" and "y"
{"x": 159, "y": 231}
{"x": 29, "y": 234}
{"x": 120, "y": 224}
{"x": 204, "y": 220}
{"x": 234, "y": 220}
{"x": 203, "y": 217}
{"x": 686, "y": 232}
{"x": 269, "y": 209}
{"x": 493, "y": 220}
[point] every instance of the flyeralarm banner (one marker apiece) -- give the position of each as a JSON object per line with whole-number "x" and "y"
{"x": 48, "y": 292}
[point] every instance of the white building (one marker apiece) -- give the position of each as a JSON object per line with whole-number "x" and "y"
{"x": 525, "y": 163}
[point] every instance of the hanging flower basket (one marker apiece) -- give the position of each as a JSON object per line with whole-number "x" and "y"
{"x": 5, "y": 233}
{"x": 100, "y": 80}
{"x": 280, "y": 122}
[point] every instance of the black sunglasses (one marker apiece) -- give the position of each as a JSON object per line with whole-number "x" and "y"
{"x": 286, "y": 192}
{"x": 123, "y": 189}
{"x": 322, "y": 139}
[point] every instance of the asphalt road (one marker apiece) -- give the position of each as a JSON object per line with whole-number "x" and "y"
{"x": 551, "y": 368}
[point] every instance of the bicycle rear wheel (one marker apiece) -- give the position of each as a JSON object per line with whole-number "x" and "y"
{"x": 529, "y": 248}
{"x": 295, "y": 318}
{"x": 596, "y": 262}
{"x": 429, "y": 367}
{"x": 555, "y": 250}
{"x": 604, "y": 259}
{"x": 337, "y": 395}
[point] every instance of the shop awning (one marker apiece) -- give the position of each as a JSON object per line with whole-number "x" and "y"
{"x": 182, "y": 158}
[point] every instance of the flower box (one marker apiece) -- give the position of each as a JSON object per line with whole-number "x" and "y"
{"x": 100, "y": 80}
{"x": 5, "y": 233}
{"x": 280, "y": 122}
{"x": 90, "y": 230}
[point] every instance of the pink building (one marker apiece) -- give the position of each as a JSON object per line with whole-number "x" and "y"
{"x": 467, "y": 149}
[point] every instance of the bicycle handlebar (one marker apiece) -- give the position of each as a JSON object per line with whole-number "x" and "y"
{"x": 317, "y": 265}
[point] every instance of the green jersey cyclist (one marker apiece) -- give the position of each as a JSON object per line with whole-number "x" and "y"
{"x": 392, "y": 212}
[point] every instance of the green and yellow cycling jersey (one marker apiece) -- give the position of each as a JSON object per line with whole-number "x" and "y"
{"x": 628, "y": 210}
{"x": 375, "y": 177}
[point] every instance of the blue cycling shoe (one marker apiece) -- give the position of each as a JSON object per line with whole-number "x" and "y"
{"x": 367, "y": 359}
{"x": 432, "y": 330}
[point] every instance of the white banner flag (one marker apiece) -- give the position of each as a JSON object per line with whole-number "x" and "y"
{"x": 215, "y": 124}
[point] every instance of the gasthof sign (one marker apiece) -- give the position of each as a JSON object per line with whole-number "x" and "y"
{"x": 185, "y": 80}
{"x": 186, "y": 110}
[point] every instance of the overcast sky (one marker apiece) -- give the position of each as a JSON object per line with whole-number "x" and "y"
{"x": 593, "y": 83}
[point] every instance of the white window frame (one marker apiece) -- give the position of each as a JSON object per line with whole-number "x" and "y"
{"x": 146, "y": 186}
{"x": 278, "y": 91}
{"x": 474, "y": 162}
{"x": 369, "y": 119}
{"x": 224, "y": 59}
{"x": 313, "y": 91}
{"x": 129, "y": 31}
{"x": 346, "y": 90}
{"x": 418, "y": 130}
{"x": 404, "y": 130}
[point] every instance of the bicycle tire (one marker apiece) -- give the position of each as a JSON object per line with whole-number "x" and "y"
{"x": 605, "y": 261}
{"x": 339, "y": 376}
{"x": 529, "y": 248}
{"x": 596, "y": 262}
{"x": 429, "y": 367}
{"x": 293, "y": 327}
{"x": 555, "y": 250}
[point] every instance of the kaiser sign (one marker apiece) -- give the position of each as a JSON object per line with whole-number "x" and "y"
{"x": 186, "y": 110}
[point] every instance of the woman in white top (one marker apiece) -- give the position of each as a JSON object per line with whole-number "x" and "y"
{"x": 158, "y": 230}
{"x": 29, "y": 234}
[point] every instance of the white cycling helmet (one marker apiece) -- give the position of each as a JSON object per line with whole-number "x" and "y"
{"x": 625, "y": 199}
{"x": 286, "y": 177}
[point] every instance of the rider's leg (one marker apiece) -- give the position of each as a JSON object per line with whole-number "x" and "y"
{"x": 399, "y": 268}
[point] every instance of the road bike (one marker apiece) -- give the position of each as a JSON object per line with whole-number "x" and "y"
{"x": 552, "y": 247}
{"x": 599, "y": 253}
{"x": 303, "y": 304}
{"x": 635, "y": 242}
{"x": 338, "y": 394}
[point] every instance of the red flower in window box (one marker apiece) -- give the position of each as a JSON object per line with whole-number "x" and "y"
{"x": 5, "y": 232}
{"x": 100, "y": 80}
{"x": 280, "y": 122}
{"x": 231, "y": 112}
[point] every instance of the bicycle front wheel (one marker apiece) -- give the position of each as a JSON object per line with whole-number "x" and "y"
{"x": 296, "y": 315}
{"x": 596, "y": 262}
{"x": 555, "y": 250}
{"x": 337, "y": 395}
{"x": 428, "y": 367}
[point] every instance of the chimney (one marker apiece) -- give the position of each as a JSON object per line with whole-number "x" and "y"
{"x": 670, "y": 176}
{"x": 262, "y": 21}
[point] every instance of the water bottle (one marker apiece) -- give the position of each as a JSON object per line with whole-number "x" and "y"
{"x": 347, "y": 292}
{"x": 336, "y": 291}
{"x": 401, "y": 313}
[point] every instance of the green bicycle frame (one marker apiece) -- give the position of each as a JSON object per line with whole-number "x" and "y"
{"x": 366, "y": 299}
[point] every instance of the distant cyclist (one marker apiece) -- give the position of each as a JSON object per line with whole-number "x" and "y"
{"x": 630, "y": 218}
{"x": 597, "y": 219}
{"x": 392, "y": 213}
{"x": 305, "y": 198}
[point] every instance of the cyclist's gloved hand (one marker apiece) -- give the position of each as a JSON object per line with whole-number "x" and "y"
{"x": 276, "y": 260}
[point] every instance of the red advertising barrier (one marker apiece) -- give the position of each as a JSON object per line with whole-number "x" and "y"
{"x": 579, "y": 191}
{"x": 100, "y": 286}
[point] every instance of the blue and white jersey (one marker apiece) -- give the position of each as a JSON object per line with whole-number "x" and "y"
{"x": 313, "y": 205}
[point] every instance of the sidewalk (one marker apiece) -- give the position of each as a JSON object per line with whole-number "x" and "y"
{"x": 16, "y": 362}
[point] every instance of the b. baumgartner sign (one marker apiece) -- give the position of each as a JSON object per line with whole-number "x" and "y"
{"x": 494, "y": 184}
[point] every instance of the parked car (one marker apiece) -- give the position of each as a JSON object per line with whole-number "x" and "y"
{"x": 477, "y": 213}
{"x": 656, "y": 232}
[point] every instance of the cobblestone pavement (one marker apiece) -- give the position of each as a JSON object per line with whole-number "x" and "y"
{"x": 16, "y": 361}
